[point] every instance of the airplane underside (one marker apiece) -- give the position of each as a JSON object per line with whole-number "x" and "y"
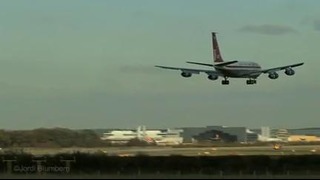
{"x": 239, "y": 74}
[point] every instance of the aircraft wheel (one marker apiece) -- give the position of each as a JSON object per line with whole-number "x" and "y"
{"x": 251, "y": 81}
{"x": 225, "y": 82}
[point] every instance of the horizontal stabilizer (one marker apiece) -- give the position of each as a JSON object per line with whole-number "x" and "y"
{"x": 204, "y": 64}
{"x": 225, "y": 63}
{"x": 192, "y": 71}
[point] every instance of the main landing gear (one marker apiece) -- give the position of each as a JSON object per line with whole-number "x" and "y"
{"x": 225, "y": 81}
{"x": 251, "y": 81}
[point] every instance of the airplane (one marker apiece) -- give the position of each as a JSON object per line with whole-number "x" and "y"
{"x": 232, "y": 69}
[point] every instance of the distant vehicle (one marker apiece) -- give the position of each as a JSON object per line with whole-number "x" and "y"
{"x": 277, "y": 146}
{"x": 233, "y": 69}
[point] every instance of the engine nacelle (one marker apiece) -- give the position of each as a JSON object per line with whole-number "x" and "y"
{"x": 186, "y": 74}
{"x": 273, "y": 75}
{"x": 289, "y": 72}
{"x": 213, "y": 77}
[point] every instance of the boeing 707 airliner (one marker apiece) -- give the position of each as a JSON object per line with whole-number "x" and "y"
{"x": 233, "y": 69}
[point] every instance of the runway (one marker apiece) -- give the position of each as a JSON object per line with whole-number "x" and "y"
{"x": 184, "y": 151}
{"x": 217, "y": 151}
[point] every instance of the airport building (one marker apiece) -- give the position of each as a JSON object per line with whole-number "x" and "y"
{"x": 159, "y": 136}
{"x": 265, "y": 135}
{"x": 282, "y": 134}
{"x": 205, "y": 134}
{"x": 222, "y": 133}
{"x": 265, "y": 132}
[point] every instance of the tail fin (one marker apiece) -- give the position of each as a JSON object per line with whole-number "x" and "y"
{"x": 215, "y": 47}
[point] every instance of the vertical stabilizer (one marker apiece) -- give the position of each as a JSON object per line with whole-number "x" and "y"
{"x": 216, "y": 51}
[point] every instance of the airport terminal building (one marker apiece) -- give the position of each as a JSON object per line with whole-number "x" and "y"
{"x": 182, "y": 135}
{"x": 222, "y": 134}
{"x": 218, "y": 133}
{"x": 159, "y": 136}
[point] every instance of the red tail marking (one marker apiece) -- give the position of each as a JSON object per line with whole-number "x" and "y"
{"x": 215, "y": 47}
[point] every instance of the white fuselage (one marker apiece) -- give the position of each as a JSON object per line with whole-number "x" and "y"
{"x": 240, "y": 70}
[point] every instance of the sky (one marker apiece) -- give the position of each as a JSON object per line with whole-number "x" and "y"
{"x": 90, "y": 64}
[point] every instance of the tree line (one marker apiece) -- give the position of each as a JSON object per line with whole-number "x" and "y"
{"x": 52, "y": 138}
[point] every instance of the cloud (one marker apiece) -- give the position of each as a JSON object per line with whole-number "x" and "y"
{"x": 316, "y": 25}
{"x": 268, "y": 29}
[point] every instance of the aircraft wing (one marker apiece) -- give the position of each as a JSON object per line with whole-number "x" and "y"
{"x": 192, "y": 71}
{"x": 281, "y": 68}
{"x": 213, "y": 65}
{"x": 271, "y": 70}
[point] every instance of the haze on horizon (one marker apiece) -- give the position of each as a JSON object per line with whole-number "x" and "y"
{"x": 90, "y": 64}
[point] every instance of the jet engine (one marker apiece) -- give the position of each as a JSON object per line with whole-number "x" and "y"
{"x": 213, "y": 77}
{"x": 186, "y": 74}
{"x": 273, "y": 75}
{"x": 289, "y": 72}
